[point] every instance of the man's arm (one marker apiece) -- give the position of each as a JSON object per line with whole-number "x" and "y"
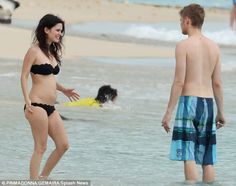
{"x": 178, "y": 83}
{"x": 218, "y": 93}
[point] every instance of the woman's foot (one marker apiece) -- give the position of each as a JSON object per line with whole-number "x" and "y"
{"x": 43, "y": 177}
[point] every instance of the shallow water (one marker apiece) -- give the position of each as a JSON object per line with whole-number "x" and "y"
{"x": 169, "y": 32}
{"x": 122, "y": 145}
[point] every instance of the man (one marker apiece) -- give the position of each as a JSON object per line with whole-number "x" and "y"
{"x": 233, "y": 15}
{"x": 197, "y": 79}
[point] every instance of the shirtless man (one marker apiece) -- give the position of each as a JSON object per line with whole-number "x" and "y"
{"x": 197, "y": 80}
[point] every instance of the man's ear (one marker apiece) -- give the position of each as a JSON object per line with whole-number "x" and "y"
{"x": 188, "y": 21}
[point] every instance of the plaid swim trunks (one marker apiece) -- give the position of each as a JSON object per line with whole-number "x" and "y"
{"x": 194, "y": 133}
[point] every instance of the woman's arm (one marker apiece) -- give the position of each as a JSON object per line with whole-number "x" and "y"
{"x": 60, "y": 88}
{"x": 70, "y": 93}
{"x": 27, "y": 63}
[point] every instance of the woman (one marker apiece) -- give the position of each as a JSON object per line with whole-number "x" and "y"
{"x": 42, "y": 61}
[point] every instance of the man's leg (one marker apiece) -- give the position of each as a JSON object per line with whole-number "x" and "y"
{"x": 190, "y": 171}
{"x": 208, "y": 173}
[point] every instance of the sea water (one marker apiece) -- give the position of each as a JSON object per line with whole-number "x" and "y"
{"x": 122, "y": 145}
{"x": 169, "y": 32}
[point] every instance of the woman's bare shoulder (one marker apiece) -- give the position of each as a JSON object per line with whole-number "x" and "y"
{"x": 33, "y": 49}
{"x": 32, "y": 53}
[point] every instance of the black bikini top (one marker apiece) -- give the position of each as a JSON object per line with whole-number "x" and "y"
{"x": 45, "y": 69}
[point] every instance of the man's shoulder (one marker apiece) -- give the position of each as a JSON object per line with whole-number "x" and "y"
{"x": 212, "y": 44}
{"x": 185, "y": 43}
{"x": 182, "y": 44}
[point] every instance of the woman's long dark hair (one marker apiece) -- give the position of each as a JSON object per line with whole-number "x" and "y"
{"x": 49, "y": 21}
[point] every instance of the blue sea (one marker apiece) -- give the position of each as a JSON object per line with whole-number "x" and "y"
{"x": 205, "y": 3}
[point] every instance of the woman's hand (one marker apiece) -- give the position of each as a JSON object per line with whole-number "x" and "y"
{"x": 28, "y": 106}
{"x": 71, "y": 94}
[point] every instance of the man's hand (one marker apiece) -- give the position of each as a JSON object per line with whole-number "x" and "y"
{"x": 165, "y": 122}
{"x": 220, "y": 121}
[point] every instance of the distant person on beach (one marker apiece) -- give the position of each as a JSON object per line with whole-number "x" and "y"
{"x": 42, "y": 62}
{"x": 197, "y": 80}
{"x": 233, "y": 15}
{"x": 105, "y": 94}
{"x": 7, "y": 8}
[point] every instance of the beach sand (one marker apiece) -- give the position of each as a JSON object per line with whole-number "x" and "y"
{"x": 17, "y": 41}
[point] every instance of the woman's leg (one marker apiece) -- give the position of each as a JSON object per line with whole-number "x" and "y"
{"x": 58, "y": 134}
{"x": 39, "y": 126}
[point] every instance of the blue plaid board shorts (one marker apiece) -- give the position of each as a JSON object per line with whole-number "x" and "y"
{"x": 194, "y": 132}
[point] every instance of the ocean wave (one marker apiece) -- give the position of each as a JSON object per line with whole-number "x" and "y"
{"x": 10, "y": 74}
{"x": 228, "y": 66}
{"x": 149, "y": 32}
{"x": 222, "y": 37}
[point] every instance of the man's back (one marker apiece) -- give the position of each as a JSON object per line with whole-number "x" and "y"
{"x": 201, "y": 57}
{"x": 197, "y": 78}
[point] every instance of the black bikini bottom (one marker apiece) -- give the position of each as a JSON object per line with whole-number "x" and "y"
{"x": 48, "y": 108}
